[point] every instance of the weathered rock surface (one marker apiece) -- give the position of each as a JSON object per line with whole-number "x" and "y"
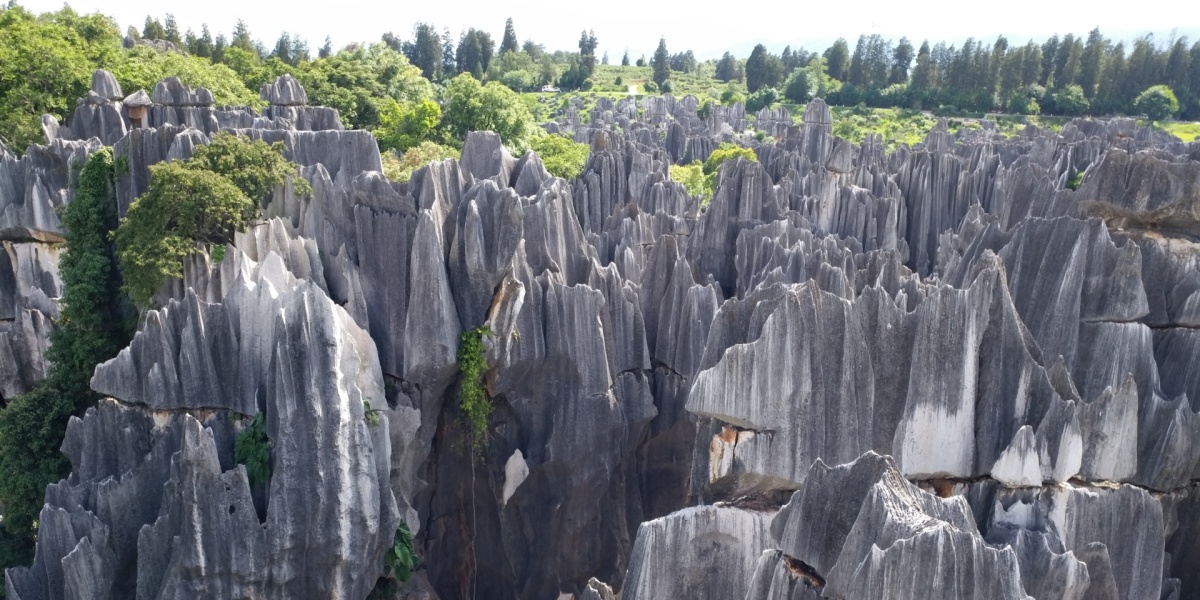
{"x": 663, "y": 376}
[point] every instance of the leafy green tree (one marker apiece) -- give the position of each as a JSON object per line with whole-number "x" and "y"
{"x": 797, "y": 89}
{"x": 837, "y": 59}
{"x": 254, "y": 166}
{"x": 241, "y": 37}
{"x": 587, "y": 53}
{"x": 661, "y": 62}
{"x": 46, "y": 65}
{"x": 731, "y": 96}
{"x": 1091, "y": 63}
{"x": 1157, "y": 102}
{"x": 763, "y": 98}
{"x": 471, "y": 106}
{"x": 562, "y": 156}
{"x": 729, "y": 69}
{"x": 1071, "y": 101}
{"x": 402, "y": 126}
{"x": 326, "y": 49}
{"x": 902, "y": 58}
{"x": 763, "y": 69}
{"x": 182, "y": 207}
{"x": 153, "y": 29}
{"x": 625, "y": 59}
{"x": 509, "y": 42}
{"x": 171, "y": 31}
{"x": 425, "y": 52}
{"x": 141, "y": 67}
{"x": 203, "y": 200}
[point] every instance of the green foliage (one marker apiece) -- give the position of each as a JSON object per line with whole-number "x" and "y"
{"x": 1022, "y": 104}
{"x": 731, "y": 96}
{"x": 141, "y": 67}
{"x": 253, "y": 449}
{"x": 724, "y": 152}
{"x": 183, "y": 206}
{"x": 1075, "y": 181}
{"x": 90, "y": 331}
{"x": 694, "y": 180}
{"x": 471, "y": 106}
{"x": 401, "y": 560}
{"x": 1157, "y": 102}
{"x": 661, "y": 62}
{"x": 218, "y": 253}
{"x": 369, "y": 414}
{"x": 797, "y": 88}
{"x": 254, "y": 166}
{"x": 400, "y": 167}
{"x": 46, "y": 63}
{"x": 403, "y": 126}
{"x": 561, "y": 156}
{"x": 705, "y": 109}
{"x": 1071, "y": 101}
{"x": 650, "y": 87}
{"x": 473, "y": 400}
{"x": 203, "y": 200}
{"x": 761, "y": 99}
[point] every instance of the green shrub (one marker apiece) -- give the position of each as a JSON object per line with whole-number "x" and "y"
{"x": 402, "y": 126}
{"x": 650, "y": 87}
{"x": 401, "y": 560}
{"x": 561, "y": 156}
{"x": 472, "y": 361}
{"x": 761, "y": 99}
{"x": 1070, "y": 101}
{"x": 254, "y": 166}
{"x": 797, "y": 88}
{"x": 617, "y": 81}
{"x": 203, "y": 200}
{"x": 724, "y": 152}
{"x": 1157, "y": 102}
{"x": 400, "y": 167}
{"x": 731, "y": 96}
{"x": 666, "y": 87}
{"x": 253, "y": 449}
{"x": 693, "y": 180}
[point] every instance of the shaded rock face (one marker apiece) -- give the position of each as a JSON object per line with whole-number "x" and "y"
{"x": 934, "y": 373}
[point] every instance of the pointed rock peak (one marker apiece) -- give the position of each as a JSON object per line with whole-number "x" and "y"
{"x": 284, "y": 91}
{"x": 172, "y": 92}
{"x": 1018, "y": 464}
{"x": 817, "y": 113}
{"x": 105, "y": 85}
{"x": 1060, "y": 380}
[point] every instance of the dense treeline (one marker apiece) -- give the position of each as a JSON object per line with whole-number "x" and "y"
{"x": 1068, "y": 76}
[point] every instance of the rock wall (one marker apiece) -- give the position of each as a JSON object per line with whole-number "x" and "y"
{"x": 935, "y": 372}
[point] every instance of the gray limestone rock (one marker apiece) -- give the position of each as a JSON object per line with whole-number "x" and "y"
{"x": 709, "y": 552}
{"x": 284, "y": 91}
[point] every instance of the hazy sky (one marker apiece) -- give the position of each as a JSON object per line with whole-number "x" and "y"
{"x": 708, "y": 28}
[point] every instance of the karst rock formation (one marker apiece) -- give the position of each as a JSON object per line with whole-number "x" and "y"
{"x": 934, "y": 372}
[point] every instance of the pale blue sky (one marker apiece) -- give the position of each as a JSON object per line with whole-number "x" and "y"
{"x": 708, "y": 28}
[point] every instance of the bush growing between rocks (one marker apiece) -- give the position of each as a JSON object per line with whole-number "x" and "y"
{"x": 561, "y": 156}
{"x": 400, "y": 167}
{"x": 471, "y": 106}
{"x": 402, "y": 126}
{"x": 203, "y": 200}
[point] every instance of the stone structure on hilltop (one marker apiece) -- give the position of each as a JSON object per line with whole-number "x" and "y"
{"x": 937, "y": 372}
